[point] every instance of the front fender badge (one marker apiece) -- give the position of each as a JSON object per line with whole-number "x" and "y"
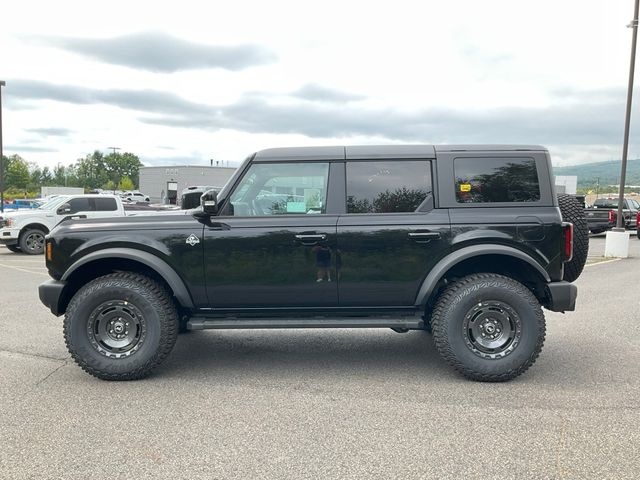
{"x": 192, "y": 240}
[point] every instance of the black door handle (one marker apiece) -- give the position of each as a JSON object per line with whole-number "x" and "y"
{"x": 310, "y": 238}
{"x": 423, "y": 236}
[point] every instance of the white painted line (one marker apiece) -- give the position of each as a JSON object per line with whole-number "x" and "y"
{"x": 23, "y": 270}
{"x": 602, "y": 262}
{"x": 21, "y": 260}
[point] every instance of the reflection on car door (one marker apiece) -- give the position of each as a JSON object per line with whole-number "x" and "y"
{"x": 274, "y": 244}
{"x": 391, "y": 235}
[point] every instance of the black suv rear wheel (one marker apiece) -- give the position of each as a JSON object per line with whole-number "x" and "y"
{"x": 488, "y": 327}
{"x": 120, "y": 326}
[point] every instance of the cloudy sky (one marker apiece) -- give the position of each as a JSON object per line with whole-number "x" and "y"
{"x": 184, "y": 82}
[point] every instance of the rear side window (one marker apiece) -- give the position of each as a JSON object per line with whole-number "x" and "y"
{"x": 387, "y": 186}
{"x": 105, "y": 204}
{"x": 492, "y": 180}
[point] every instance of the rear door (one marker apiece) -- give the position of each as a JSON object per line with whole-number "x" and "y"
{"x": 392, "y": 233}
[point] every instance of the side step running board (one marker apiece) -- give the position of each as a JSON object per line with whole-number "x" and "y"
{"x": 202, "y": 323}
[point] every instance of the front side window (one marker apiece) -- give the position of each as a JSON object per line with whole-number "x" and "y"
{"x": 387, "y": 186}
{"x": 79, "y": 205}
{"x": 492, "y": 180}
{"x": 281, "y": 189}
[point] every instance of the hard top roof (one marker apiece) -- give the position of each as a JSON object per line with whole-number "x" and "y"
{"x": 379, "y": 151}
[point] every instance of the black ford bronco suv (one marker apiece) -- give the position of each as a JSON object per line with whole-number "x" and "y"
{"x": 465, "y": 241}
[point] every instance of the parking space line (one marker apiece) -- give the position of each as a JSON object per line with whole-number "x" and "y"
{"x": 23, "y": 270}
{"x": 602, "y": 262}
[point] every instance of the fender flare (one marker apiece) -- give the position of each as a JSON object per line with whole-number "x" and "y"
{"x": 153, "y": 262}
{"x": 454, "y": 258}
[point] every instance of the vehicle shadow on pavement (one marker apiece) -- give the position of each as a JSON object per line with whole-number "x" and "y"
{"x": 309, "y": 352}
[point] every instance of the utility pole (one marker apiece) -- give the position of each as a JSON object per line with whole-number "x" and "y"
{"x": 627, "y": 121}
{"x": 2, "y": 84}
{"x": 116, "y": 177}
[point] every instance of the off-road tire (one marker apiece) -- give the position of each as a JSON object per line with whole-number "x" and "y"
{"x": 453, "y": 309}
{"x": 31, "y": 241}
{"x": 572, "y": 211}
{"x": 13, "y": 248}
{"x": 155, "y": 309}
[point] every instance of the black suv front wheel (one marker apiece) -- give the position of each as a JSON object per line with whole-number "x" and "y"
{"x": 488, "y": 327}
{"x": 120, "y": 326}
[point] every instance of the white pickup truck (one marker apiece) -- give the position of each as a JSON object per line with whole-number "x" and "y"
{"x": 24, "y": 230}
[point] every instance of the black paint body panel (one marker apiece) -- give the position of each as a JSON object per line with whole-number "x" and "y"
{"x": 324, "y": 264}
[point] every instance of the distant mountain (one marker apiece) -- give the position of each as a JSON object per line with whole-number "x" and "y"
{"x": 608, "y": 172}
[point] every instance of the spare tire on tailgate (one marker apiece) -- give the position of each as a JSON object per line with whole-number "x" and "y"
{"x": 573, "y": 211}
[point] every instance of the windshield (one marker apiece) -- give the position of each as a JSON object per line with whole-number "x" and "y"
{"x": 224, "y": 191}
{"x": 53, "y": 204}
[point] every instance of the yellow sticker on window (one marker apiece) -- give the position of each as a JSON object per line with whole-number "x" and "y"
{"x": 465, "y": 187}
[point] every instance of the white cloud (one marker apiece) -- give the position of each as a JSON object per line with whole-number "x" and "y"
{"x": 364, "y": 72}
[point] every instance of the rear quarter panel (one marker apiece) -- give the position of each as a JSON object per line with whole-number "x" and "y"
{"x": 532, "y": 227}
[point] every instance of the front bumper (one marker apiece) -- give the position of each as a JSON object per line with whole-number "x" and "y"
{"x": 562, "y": 296}
{"x": 9, "y": 236}
{"x": 50, "y": 293}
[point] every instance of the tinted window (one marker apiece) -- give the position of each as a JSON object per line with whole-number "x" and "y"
{"x": 481, "y": 180}
{"x": 387, "y": 186}
{"x": 281, "y": 189}
{"x": 105, "y": 204}
{"x": 606, "y": 203}
{"x": 79, "y": 205}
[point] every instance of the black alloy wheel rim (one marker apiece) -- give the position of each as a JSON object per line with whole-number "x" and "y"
{"x": 35, "y": 242}
{"x": 492, "y": 329}
{"x": 116, "y": 329}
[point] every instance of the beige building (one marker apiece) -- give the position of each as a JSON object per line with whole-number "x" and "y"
{"x": 165, "y": 184}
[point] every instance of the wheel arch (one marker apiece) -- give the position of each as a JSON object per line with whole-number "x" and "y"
{"x": 110, "y": 260}
{"x": 498, "y": 259}
{"x": 35, "y": 225}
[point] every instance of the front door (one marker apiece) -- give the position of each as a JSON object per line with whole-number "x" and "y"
{"x": 273, "y": 244}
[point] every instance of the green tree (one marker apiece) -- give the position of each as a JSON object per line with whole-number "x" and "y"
{"x": 125, "y": 184}
{"x": 91, "y": 171}
{"x": 59, "y": 176}
{"x": 16, "y": 172}
{"x": 46, "y": 178}
{"x": 119, "y": 165}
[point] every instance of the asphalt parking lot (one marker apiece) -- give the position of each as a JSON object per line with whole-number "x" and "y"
{"x": 325, "y": 403}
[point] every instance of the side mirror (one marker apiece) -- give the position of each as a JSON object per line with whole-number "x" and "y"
{"x": 64, "y": 209}
{"x": 209, "y": 202}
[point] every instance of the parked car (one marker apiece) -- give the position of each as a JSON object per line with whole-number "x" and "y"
{"x": 23, "y": 204}
{"x": 136, "y": 196}
{"x": 190, "y": 197}
{"x": 603, "y": 214}
{"x": 25, "y": 230}
{"x": 467, "y": 241}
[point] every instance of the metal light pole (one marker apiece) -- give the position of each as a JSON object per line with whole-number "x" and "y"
{"x": 625, "y": 146}
{"x": 2, "y": 84}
